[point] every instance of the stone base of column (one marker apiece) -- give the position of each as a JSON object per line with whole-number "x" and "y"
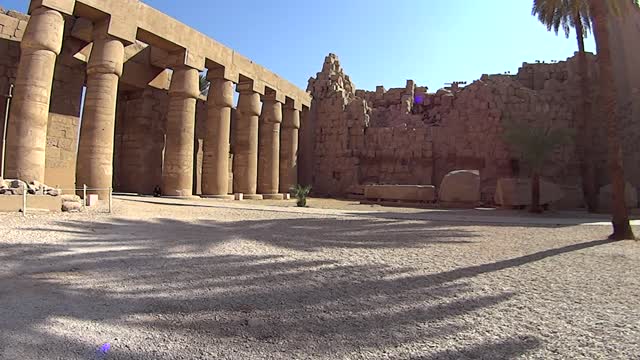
{"x": 273, "y": 196}
{"x": 218, "y": 197}
{"x": 187, "y": 197}
{"x": 253, "y": 197}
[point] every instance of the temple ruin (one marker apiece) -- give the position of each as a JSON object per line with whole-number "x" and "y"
{"x": 138, "y": 130}
{"x": 409, "y": 135}
{"x": 146, "y": 123}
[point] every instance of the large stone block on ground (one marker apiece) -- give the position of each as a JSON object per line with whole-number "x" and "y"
{"x": 460, "y": 186}
{"x": 71, "y": 206}
{"x": 573, "y": 198}
{"x": 605, "y": 197}
{"x": 409, "y": 193}
{"x": 512, "y": 192}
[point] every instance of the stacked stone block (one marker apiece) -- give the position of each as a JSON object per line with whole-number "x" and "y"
{"x": 411, "y": 136}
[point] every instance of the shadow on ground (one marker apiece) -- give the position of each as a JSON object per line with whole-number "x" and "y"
{"x": 166, "y": 276}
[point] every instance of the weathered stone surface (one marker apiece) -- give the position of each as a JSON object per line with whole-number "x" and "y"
{"x": 35, "y": 203}
{"x": 52, "y": 192}
{"x": 411, "y": 136}
{"x": 460, "y": 186}
{"x": 409, "y": 193}
{"x": 71, "y": 198}
{"x": 517, "y": 192}
{"x": 605, "y": 197}
{"x": 69, "y": 206}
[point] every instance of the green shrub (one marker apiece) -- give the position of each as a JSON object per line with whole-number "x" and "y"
{"x": 301, "y": 192}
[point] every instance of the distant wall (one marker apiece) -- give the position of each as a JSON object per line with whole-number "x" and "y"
{"x": 410, "y": 136}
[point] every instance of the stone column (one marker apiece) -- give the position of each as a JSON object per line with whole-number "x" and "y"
{"x": 269, "y": 147}
{"x": 245, "y": 159}
{"x": 95, "y": 149}
{"x": 177, "y": 170}
{"x": 289, "y": 147}
{"x": 215, "y": 160}
{"x": 27, "y": 130}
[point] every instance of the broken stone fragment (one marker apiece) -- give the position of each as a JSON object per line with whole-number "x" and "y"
{"x": 71, "y": 206}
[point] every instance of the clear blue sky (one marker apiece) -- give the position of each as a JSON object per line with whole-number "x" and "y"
{"x": 379, "y": 42}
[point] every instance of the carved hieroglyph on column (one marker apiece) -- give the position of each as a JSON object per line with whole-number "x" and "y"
{"x": 245, "y": 160}
{"x": 27, "y": 130}
{"x": 289, "y": 147}
{"x": 95, "y": 150}
{"x": 269, "y": 147}
{"x": 215, "y": 160}
{"x": 177, "y": 171}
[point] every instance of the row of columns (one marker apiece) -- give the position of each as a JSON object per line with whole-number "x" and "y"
{"x": 260, "y": 165}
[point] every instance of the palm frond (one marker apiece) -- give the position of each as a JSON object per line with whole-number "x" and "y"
{"x": 563, "y": 15}
{"x": 535, "y": 144}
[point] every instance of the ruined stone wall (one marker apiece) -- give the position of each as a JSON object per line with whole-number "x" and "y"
{"x": 68, "y": 82}
{"x": 340, "y": 119}
{"x": 411, "y": 136}
{"x": 397, "y": 156}
{"x": 468, "y": 129}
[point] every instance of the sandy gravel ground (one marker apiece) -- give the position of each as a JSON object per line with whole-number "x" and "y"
{"x": 226, "y": 280}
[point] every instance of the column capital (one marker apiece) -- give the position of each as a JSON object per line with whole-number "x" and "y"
{"x": 290, "y": 117}
{"x": 271, "y": 111}
{"x": 185, "y": 82}
{"x": 250, "y": 85}
{"x": 44, "y": 31}
{"x": 249, "y": 102}
{"x": 272, "y": 96}
{"x": 220, "y": 92}
{"x": 107, "y": 53}
{"x": 246, "y": 87}
{"x": 223, "y": 72}
{"x": 292, "y": 103}
{"x": 64, "y": 6}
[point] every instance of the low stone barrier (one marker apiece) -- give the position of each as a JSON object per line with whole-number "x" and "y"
{"x": 13, "y": 203}
{"x": 406, "y": 193}
{"x": 515, "y": 192}
{"x": 605, "y": 197}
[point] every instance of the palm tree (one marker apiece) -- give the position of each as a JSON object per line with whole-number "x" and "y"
{"x": 204, "y": 84}
{"x": 301, "y": 192}
{"x": 567, "y": 14}
{"x": 535, "y": 145}
{"x": 600, "y": 11}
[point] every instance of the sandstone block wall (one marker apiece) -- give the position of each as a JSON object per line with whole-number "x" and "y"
{"x": 411, "y": 136}
{"x": 139, "y": 140}
{"x": 397, "y": 155}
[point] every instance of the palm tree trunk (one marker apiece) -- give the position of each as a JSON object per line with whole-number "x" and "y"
{"x": 620, "y": 216}
{"x": 583, "y": 115}
{"x": 535, "y": 193}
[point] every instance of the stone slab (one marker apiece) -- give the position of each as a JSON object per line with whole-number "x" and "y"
{"x": 605, "y": 197}
{"x": 253, "y": 197}
{"x": 460, "y": 186}
{"x": 218, "y": 197}
{"x": 515, "y": 192}
{"x": 273, "y": 196}
{"x": 409, "y": 193}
